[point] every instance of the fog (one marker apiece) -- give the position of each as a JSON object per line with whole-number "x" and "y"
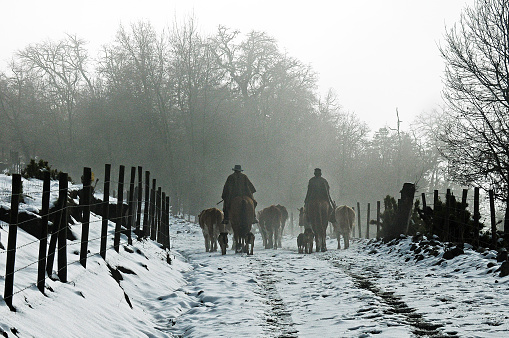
{"x": 188, "y": 107}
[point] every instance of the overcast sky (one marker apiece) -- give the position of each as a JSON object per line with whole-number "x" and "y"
{"x": 377, "y": 55}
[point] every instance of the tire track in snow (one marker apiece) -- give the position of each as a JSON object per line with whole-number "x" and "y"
{"x": 278, "y": 317}
{"x": 395, "y": 305}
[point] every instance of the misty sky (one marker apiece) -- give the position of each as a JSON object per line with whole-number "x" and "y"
{"x": 376, "y": 55}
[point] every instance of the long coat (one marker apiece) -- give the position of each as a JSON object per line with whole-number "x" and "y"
{"x": 318, "y": 189}
{"x": 237, "y": 184}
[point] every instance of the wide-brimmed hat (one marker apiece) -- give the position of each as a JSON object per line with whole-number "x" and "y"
{"x": 237, "y": 167}
{"x": 318, "y": 170}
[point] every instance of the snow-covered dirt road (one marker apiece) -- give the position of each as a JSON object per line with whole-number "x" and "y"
{"x": 367, "y": 290}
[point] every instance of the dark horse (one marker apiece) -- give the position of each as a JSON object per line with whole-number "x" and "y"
{"x": 241, "y": 218}
{"x": 318, "y": 216}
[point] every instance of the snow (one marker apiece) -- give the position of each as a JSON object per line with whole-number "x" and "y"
{"x": 400, "y": 289}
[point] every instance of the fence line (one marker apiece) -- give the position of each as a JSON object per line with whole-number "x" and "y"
{"x": 157, "y": 211}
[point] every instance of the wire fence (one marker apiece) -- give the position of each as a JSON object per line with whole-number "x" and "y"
{"x": 129, "y": 217}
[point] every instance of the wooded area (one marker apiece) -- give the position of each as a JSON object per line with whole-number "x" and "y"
{"x": 190, "y": 107}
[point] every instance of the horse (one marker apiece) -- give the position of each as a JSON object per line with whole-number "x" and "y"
{"x": 210, "y": 222}
{"x": 250, "y": 243}
{"x": 241, "y": 217}
{"x": 270, "y": 221}
{"x": 318, "y": 216}
{"x": 345, "y": 221}
{"x": 284, "y": 217}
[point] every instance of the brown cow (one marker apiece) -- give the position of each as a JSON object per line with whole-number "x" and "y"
{"x": 284, "y": 217}
{"x": 270, "y": 223}
{"x": 345, "y": 221}
{"x": 242, "y": 215}
{"x": 210, "y": 223}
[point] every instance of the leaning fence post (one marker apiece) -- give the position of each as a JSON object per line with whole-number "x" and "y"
{"x": 120, "y": 207}
{"x": 85, "y": 204}
{"x": 493, "y": 221}
{"x": 138, "y": 204}
{"x": 41, "y": 268}
{"x": 62, "y": 229}
{"x": 106, "y": 210}
{"x": 131, "y": 205}
{"x": 11, "y": 244}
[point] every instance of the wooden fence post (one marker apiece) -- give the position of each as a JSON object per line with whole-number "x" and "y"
{"x": 464, "y": 217}
{"x": 159, "y": 210}
{"x": 447, "y": 212}
{"x": 41, "y": 268}
{"x": 168, "y": 222}
{"x": 106, "y": 210}
{"x": 85, "y": 205}
{"x": 152, "y": 210}
{"x": 377, "y": 219}
{"x": 62, "y": 229}
{"x": 163, "y": 219}
{"x": 359, "y": 218}
{"x": 131, "y": 206}
{"x": 493, "y": 221}
{"x": 138, "y": 207}
{"x": 11, "y": 244}
{"x": 477, "y": 215}
{"x": 435, "y": 212}
{"x": 120, "y": 207}
{"x": 367, "y": 222}
{"x": 146, "y": 220}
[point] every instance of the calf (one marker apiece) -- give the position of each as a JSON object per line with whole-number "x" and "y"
{"x": 210, "y": 221}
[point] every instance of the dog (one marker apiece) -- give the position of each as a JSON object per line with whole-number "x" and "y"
{"x": 300, "y": 243}
{"x": 309, "y": 236}
{"x": 223, "y": 242}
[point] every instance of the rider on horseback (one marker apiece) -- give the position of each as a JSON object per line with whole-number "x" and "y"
{"x": 237, "y": 184}
{"x": 318, "y": 188}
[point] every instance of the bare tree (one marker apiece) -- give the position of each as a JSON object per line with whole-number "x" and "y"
{"x": 477, "y": 94}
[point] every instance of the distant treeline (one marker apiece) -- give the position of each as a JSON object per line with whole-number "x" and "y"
{"x": 189, "y": 107}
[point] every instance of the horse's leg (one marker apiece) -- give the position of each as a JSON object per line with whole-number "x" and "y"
{"x": 207, "y": 248}
{"x": 338, "y": 237}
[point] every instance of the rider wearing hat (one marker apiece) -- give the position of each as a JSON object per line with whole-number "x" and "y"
{"x": 237, "y": 184}
{"x": 318, "y": 188}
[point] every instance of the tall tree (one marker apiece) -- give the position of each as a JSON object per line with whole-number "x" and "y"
{"x": 477, "y": 93}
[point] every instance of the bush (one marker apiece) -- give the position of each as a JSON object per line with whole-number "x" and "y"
{"x": 36, "y": 170}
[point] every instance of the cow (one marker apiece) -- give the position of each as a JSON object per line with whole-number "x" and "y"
{"x": 345, "y": 221}
{"x": 210, "y": 223}
{"x": 270, "y": 222}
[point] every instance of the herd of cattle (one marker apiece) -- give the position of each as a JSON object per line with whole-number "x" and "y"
{"x": 271, "y": 224}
